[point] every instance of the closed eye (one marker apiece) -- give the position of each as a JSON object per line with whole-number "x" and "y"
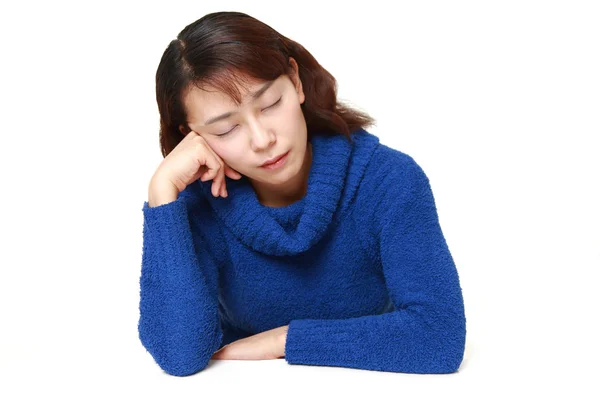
{"x": 272, "y": 105}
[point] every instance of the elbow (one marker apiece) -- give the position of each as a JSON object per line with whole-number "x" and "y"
{"x": 182, "y": 366}
{"x": 450, "y": 361}
{"x": 176, "y": 358}
{"x": 451, "y": 350}
{"x": 444, "y": 346}
{"x": 440, "y": 357}
{"x": 182, "y": 369}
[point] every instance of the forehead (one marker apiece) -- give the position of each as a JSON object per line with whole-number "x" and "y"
{"x": 208, "y": 101}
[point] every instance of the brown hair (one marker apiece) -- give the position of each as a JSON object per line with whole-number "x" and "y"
{"x": 222, "y": 48}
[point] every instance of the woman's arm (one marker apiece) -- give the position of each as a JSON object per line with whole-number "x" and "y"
{"x": 179, "y": 321}
{"x": 426, "y": 332}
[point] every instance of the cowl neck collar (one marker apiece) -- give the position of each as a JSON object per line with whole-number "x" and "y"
{"x": 331, "y": 175}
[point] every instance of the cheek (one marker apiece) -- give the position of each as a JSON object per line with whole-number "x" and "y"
{"x": 232, "y": 154}
{"x": 223, "y": 151}
{"x": 290, "y": 118}
{"x": 297, "y": 115}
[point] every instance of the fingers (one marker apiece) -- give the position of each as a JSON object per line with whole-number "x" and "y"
{"x": 218, "y": 170}
{"x": 230, "y": 172}
{"x": 216, "y": 173}
{"x": 221, "y": 180}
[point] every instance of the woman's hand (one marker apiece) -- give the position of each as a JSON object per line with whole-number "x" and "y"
{"x": 190, "y": 160}
{"x": 266, "y": 345}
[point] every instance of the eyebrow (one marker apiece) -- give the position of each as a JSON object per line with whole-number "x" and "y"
{"x": 254, "y": 95}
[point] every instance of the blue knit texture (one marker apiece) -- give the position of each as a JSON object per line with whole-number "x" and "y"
{"x": 358, "y": 268}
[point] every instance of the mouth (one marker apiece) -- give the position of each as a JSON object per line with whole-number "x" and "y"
{"x": 278, "y": 162}
{"x": 275, "y": 160}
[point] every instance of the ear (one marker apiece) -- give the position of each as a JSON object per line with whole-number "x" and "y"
{"x": 296, "y": 80}
{"x": 181, "y": 130}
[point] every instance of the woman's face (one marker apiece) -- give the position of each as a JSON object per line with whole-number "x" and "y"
{"x": 263, "y": 127}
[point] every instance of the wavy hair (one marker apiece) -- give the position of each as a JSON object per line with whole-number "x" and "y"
{"x": 221, "y": 50}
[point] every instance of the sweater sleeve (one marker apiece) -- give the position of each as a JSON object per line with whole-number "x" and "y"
{"x": 179, "y": 321}
{"x": 426, "y": 331}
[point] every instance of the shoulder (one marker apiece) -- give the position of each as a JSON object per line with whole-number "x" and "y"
{"x": 392, "y": 172}
{"x": 393, "y": 182}
{"x": 379, "y": 166}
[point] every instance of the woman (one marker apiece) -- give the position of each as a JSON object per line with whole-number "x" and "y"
{"x": 331, "y": 256}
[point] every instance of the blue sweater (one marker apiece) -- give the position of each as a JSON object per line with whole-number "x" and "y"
{"x": 358, "y": 268}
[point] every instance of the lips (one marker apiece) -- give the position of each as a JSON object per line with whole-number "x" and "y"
{"x": 274, "y": 160}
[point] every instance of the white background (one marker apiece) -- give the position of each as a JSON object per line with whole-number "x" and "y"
{"x": 499, "y": 102}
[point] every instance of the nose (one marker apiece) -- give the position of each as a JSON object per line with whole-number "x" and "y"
{"x": 261, "y": 136}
